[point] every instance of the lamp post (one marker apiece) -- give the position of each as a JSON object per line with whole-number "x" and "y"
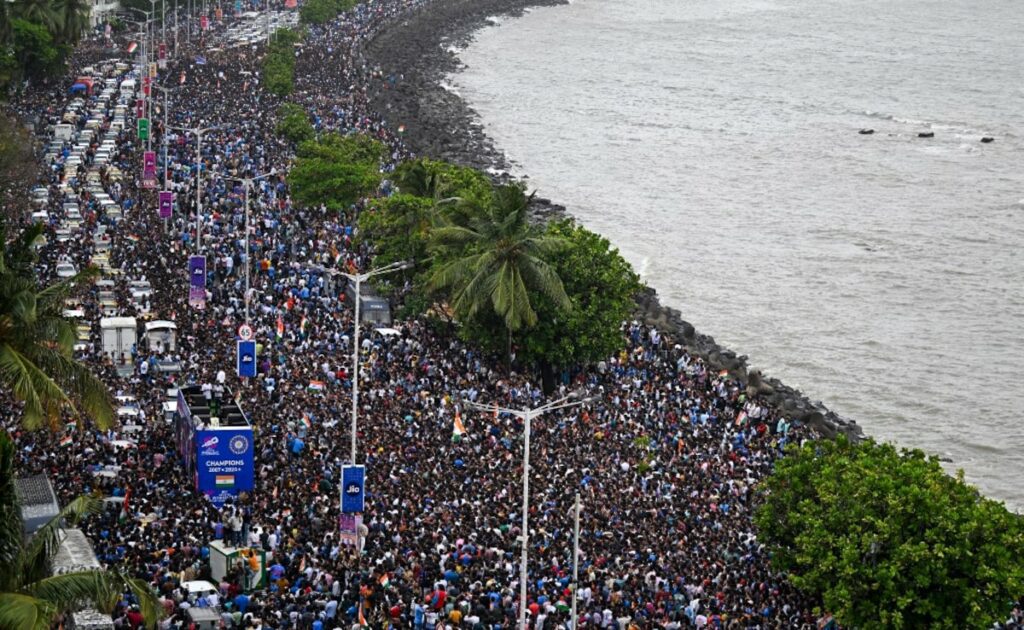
{"x": 527, "y": 415}
{"x": 358, "y": 279}
{"x": 199, "y": 178}
{"x": 247, "y": 182}
{"x": 165, "y": 91}
{"x": 575, "y": 560}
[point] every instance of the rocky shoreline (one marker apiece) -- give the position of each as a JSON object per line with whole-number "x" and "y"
{"x": 419, "y": 50}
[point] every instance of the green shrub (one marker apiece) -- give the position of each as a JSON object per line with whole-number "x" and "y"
{"x": 293, "y": 123}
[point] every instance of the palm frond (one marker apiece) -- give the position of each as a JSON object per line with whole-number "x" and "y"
{"x": 40, "y": 393}
{"x": 24, "y": 612}
{"x": 34, "y": 563}
{"x": 100, "y": 589}
{"x": 540, "y": 275}
{"x": 10, "y": 514}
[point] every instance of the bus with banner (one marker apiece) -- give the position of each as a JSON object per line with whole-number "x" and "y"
{"x": 215, "y": 440}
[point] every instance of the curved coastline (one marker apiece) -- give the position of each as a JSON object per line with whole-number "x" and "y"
{"x": 417, "y": 50}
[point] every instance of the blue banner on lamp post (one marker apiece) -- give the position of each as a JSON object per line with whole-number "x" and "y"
{"x": 353, "y": 492}
{"x": 197, "y": 281}
{"x": 246, "y": 361}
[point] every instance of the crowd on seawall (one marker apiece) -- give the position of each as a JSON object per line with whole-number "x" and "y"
{"x": 666, "y": 457}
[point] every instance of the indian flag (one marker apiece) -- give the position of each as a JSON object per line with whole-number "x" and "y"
{"x": 125, "y": 513}
{"x": 132, "y": 46}
{"x": 458, "y": 428}
{"x": 224, "y": 481}
{"x": 362, "y": 619}
{"x": 384, "y": 581}
{"x": 280, "y": 327}
{"x": 302, "y": 324}
{"x": 66, "y": 440}
{"x": 306, "y": 422}
{"x": 401, "y": 128}
{"x": 316, "y": 386}
{"x": 724, "y": 373}
{"x": 741, "y": 417}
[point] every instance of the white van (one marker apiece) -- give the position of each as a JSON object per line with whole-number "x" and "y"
{"x": 63, "y": 132}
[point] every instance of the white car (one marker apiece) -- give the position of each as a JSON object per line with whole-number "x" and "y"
{"x": 65, "y": 270}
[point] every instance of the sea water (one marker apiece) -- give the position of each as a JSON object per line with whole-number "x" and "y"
{"x": 717, "y": 144}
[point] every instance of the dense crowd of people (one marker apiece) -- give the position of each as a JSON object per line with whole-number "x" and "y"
{"x": 665, "y": 457}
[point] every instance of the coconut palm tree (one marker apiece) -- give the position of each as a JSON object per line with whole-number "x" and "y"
{"x": 497, "y": 260}
{"x": 73, "y": 19}
{"x": 31, "y": 598}
{"x": 39, "y": 11}
{"x": 36, "y": 362}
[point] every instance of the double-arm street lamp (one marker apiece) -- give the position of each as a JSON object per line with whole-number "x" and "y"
{"x": 572, "y": 400}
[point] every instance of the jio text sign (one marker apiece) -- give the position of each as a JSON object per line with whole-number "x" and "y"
{"x": 197, "y": 281}
{"x": 166, "y": 204}
{"x": 149, "y": 169}
{"x": 247, "y": 358}
{"x": 352, "y": 488}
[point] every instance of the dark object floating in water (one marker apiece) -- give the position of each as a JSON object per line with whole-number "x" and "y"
{"x": 988, "y": 139}
{"x": 866, "y": 132}
{"x": 926, "y": 134}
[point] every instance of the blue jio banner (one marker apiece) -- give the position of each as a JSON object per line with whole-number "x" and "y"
{"x": 197, "y": 281}
{"x": 352, "y": 491}
{"x": 246, "y": 362}
{"x": 224, "y": 462}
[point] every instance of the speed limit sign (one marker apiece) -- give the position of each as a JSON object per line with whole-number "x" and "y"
{"x": 245, "y": 332}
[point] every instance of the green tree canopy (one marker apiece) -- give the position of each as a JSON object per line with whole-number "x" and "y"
{"x": 31, "y": 598}
{"x": 293, "y": 123}
{"x": 492, "y": 260}
{"x": 323, "y": 11}
{"x": 601, "y": 287}
{"x": 36, "y": 362}
{"x": 888, "y": 540}
{"x": 438, "y": 180}
{"x": 336, "y": 170}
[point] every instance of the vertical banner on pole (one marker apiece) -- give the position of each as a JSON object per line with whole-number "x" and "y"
{"x": 197, "y": 281}
{"x": 140, "y": 108}
{"x": 143, "y": 128}
{"x": 219, "y": 14}
{"x": 166, "y": 204}
{"x": 149, "y": 169}
{"x": 204, "y": 22}
{"x": 152, "y": 73}
{"x": 146, "y": 80}
{"x": 238, "y": 7}
{"x": 246, "y": 362}
{"x": 352, "y": 490}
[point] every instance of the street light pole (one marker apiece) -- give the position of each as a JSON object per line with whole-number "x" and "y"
{"x": 575, "y": 561}
{"x": 247, "y": 181}
{"x": 358, "y": 278}
{"x": 527, "y": 415}
{"x": 199, "y": 180}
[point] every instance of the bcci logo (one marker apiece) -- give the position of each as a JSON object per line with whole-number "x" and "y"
{"x": 239, "y": 444}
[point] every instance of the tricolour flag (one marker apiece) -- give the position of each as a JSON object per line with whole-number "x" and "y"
{"x": 224, "y": 481}
{"x": 458, "y": 428}
{"x": 280, "y": 327}
{"x": 401, "y": 128}
{"x": 306, "y": 422}
{"x": 302, "y": 324}
{"x": 741, "y": 417}
{"x": 125, "y": 506}
{"x": 132, "y": 46}
{"x": 317, "y": 386}
{"x": 66, "y": 440}
{"x": 384, "y": 581}
{"x": 724, "y": 373}
{"x": 362, "y": 619}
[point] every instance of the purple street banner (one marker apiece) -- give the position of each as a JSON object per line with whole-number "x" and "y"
{"x": 197, "y": 281}
{"x": 166, "y": 204}
{"x": 149, "y": 169}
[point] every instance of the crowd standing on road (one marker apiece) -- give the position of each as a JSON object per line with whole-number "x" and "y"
{"x": 665, "y": 459}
